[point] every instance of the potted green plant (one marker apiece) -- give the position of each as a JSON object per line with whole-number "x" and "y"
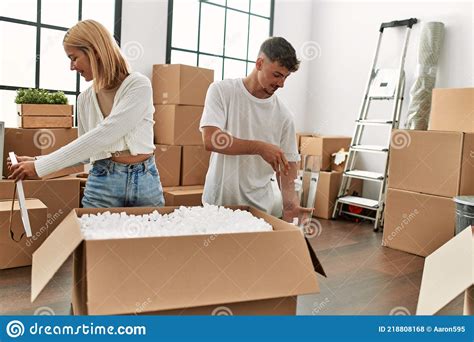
{"x": 38, "y": 108}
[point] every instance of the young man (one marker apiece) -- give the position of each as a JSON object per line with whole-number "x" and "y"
{"x": 252, "y": 135}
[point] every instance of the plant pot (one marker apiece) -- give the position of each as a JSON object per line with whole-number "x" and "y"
{"x": 45, "y": 115}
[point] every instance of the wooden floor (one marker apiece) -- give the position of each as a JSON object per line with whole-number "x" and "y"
{"x": 364, "y": 278}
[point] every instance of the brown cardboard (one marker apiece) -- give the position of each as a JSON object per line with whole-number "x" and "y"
{"x": 417, "y": 223}
{"x": 39, "y": 142}
{"x": 177, "y": 125}
{"x": 60, "y": 195}
{"x": 168, "y": 162}
{"x": 327, "y": 190}
{"x": 195, "y": 165}
{"x": 180, "y": 84}
{"x": 17, "y": 254}
{"x": 323, "y": 146}
{"x": 112, "y": 276}
{"x": 44, "y": 110}
{"x": 432, "y": 162}
{"x": 452, "y": 109}
{"x": 448, "y": 272}
{"x": 183, "y": 195}
{"x": 45, "y": 121}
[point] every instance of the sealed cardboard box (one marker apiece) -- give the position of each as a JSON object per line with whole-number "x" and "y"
{"x": 195, "y": 165}
{"x": 177, "y": 125}
{"x": 323, "y": 146}
{"x": 432, "y": 162}
{"x": 60, "y": 195}
{"x": 326, "y": 192}
{"x": 417, "y": 223}
{"x": 168, "y": 162}
{"x": 183, "y": 195}
{"x": 452, "y": 109}
{"x": 180, "y": 84}
{"x": 17, "y": 251}
{"x": 448, "y": 272}
{"x": 184, "y": 273}
{"x": 39, "y": 142}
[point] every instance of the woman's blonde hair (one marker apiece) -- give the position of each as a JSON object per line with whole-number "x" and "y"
{"x": 107, "y": 62}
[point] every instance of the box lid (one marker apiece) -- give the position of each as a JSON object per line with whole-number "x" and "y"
{"x": 447, "y": 273}
{"x": 50, "y": 256}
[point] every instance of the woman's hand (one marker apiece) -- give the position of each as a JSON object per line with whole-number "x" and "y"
{"x": 23, "y": 170}
{"x": 19, "y": 159}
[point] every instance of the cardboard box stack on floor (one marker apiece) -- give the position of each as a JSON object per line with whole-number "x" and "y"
{"x": 264, "y": 271}
{"x": 426, "y": 170}
{"x": 329, "y": 179}
{"x": 179, "y": 92}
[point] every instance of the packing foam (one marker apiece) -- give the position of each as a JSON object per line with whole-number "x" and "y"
{"x": 209, "y": 219}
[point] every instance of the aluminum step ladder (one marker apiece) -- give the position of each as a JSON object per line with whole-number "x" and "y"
{"x": 383, "y": 85}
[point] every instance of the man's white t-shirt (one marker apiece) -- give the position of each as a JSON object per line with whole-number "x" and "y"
{"x": 245, "y": 179}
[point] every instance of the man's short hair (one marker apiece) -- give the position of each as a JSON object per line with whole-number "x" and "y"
{"x": 280, "y": 50}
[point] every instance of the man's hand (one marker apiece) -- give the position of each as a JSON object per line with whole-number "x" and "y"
{"x": 274, "y": 156}
{"x": 23, "y": 170}
{"x": 292, "y": 211}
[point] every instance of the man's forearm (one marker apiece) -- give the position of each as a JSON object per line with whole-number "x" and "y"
{"x": 290, "y": 199}
{"x": 222, "y": 142}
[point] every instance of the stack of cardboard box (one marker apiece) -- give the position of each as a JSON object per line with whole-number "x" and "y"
{"x": 179, "y": 92}
{"x": 329, "y": 179}
{"x": 426, "y": 170}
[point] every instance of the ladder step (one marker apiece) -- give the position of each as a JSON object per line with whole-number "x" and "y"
{"x": 375, "y": 122}
{"x": 381, "y": 97}
{"x": 370, "y": 148}
{"x": 368, "y": 175}
{"x": 360, "y": 202}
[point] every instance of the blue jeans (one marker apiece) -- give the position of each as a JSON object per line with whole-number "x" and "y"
{"x": 111, "y": 184}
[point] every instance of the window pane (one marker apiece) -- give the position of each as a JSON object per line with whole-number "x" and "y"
{"x": 261, "y": 7}
{"x": 185, "y": 24}
{"x": 83, "y": 85}
{"x": 59, "y": 12}
{"x": 236, "y": 34}
{"x": 219, "y": 2}
{"x": 259, "y": 31}
{"x": 19, "y": 9}
{"x": 234, "y": 69}
{"x": 102, "y": 11}
{"x": 242, "y": 5}
{"x": 212, "y": 29}
{"x": 250, "y": 67}
{"x": 8, "y": 108}
{"x": 18, "y": 54}
{"x": 55, "y": 70}
{"x": 180, "y": 57}
{"x": 211, "y": 62}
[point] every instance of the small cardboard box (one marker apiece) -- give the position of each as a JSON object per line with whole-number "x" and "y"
{"x": 39, "y": 142}
{"x": 323, "y": 146}
{"x": 45, "y": 121}
{"x": 180, "y": 84}
{"x": 417, "y": 223}
{"x": 183, "y": 195}
{"x": 195, "y": 165}
{"x": 448, "y": 272}
{"x": 432, "y": 162}
{"x": 452, "y": 109}
{"x": 185, "y": 272}
{"x": 177, "y": 125}
{"x": 327, "y": 190}
{"x": 168, "y": 162}
{"x": 18, "y": 252}
{"x": 60, "y": 195}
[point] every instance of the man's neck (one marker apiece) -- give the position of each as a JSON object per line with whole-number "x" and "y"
{"x": 254, "y": 88}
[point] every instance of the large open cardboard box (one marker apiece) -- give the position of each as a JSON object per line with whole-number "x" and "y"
{"x": 448, "y": 272}
{"x": 253, "y": 273}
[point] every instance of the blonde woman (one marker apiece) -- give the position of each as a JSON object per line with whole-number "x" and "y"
{"x": 115, "y": 124}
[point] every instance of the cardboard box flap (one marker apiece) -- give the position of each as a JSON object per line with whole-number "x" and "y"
{"x": 318, "y": 267}
{"x": 447, "y": 273}
{"x": 49, "y": 257}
